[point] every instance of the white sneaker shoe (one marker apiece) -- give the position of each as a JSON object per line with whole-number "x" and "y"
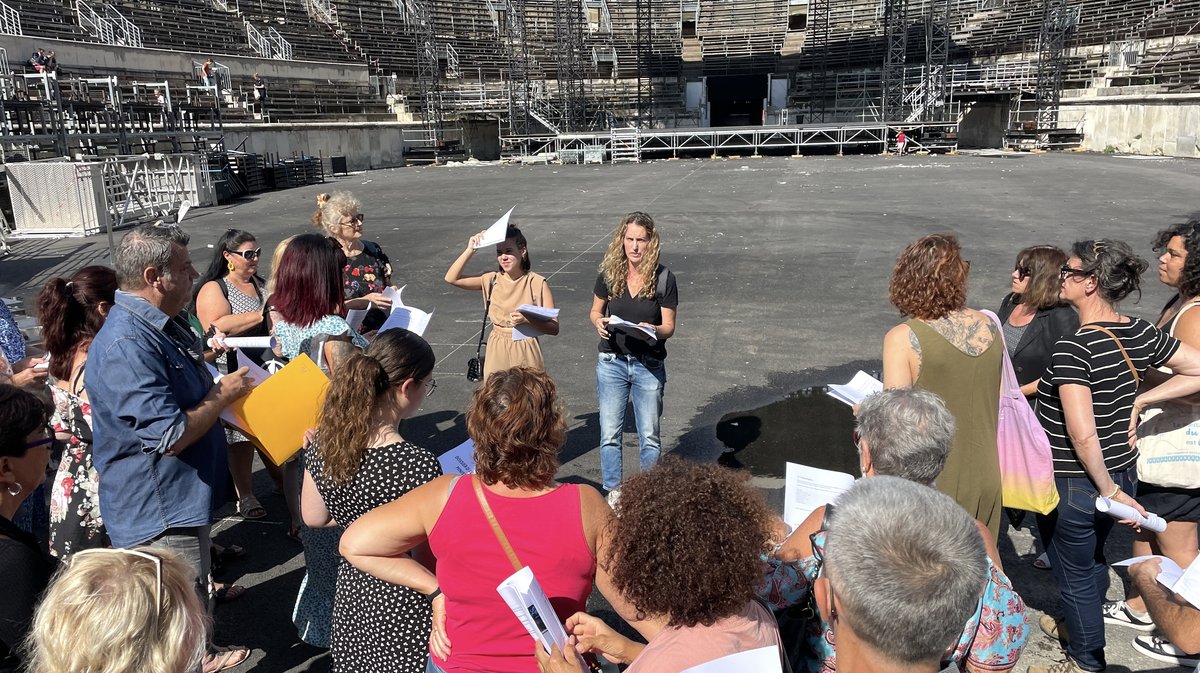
{"x": 614, "y": 496}
{"x": 1157, "y": 648}
{"x": 1118, "y": 613}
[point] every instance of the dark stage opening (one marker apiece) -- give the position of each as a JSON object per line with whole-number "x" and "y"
{"x": 737, "y": 100}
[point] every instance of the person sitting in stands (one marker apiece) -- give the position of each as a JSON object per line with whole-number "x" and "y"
{"x": 51, "y": 62}
{"x": 38, "y": 60}
{"x": 887, "y": 617}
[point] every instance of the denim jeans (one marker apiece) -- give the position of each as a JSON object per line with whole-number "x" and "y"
{"x": 194, "y": 548}
{"x": 1076, "y": 550}
{"x": 431, "y": 667}
{"x": 618, "y": 377}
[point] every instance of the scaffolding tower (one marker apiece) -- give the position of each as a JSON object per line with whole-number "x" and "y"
{"x": 935, "y": 105}
{"x": 817, "y": 45}
{"x": 568, "y": 33}
{"x": 644, "y": 38}
{"x": 429, "y": 73}
{"x": 1058, "y": 25}
{"x": 520, "y": 89}
{"x": 895, "y": 31}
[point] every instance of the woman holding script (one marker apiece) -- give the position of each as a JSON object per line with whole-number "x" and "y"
{"x": 954, "y": 351}
{"x": 634, "y": 287}
{"x": 505, "y": 291}
{"x": 367, "y": 271}
{"x": 483, "y": 527}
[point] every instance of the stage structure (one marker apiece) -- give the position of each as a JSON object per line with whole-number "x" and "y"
{"x": 568, "y": 34}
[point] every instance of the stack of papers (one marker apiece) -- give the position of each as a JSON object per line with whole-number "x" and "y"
{"x": 1186, "y": 583}
{"x": 862, "y": 386}
{"x": 534, "y": 313}
{"x": 645, "y": 333}
{"x": 459, "y": 460}
{"x": 807, "y": 488}
{"x": 529, "y": 603}
{"x": 495, "y": 233}
{"x": 407, "y": 317}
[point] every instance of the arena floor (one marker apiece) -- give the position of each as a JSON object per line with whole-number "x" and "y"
{"x": 783, "y": 267}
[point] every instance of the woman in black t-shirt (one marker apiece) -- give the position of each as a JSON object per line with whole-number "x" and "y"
{"x": 1085, "y": 402}
{"x": 633, "y": 311}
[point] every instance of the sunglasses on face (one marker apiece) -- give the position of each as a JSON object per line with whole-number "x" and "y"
{"x": 354, "y": 219}
{"x": 1023, "y": 272}
{"x": 1071, "y": 271}
{"x": 250, "y": 255}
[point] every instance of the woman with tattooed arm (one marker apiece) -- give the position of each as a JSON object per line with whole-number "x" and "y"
{"x": 946, "y": 348}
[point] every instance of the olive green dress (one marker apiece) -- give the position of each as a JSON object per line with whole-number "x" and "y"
{"x": 970, "y": 385}
{"x": 506, "y": 295}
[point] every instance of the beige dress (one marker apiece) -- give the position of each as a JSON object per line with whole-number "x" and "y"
{"x": 506, "y": 295}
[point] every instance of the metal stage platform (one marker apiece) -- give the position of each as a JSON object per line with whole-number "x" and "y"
{"x": 631, "y": 144}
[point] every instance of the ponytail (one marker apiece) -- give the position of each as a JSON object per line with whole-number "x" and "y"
{"x": 69, "y": 311}
{"x": 344, "y": 425}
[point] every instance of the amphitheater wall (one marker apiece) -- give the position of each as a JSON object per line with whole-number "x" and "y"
{"x": 365, "y": 145}
{"x": 1159, "y": 125}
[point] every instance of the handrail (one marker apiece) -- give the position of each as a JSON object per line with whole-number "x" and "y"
{"x": 256, "y": 40}
{"x": 125, "y": 31}
{"x": 283, "y": 48}
{"x": 91, "y": 20}
{"x": 10, "y": 20}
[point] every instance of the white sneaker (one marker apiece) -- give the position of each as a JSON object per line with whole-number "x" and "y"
{"x": 614, "y": 496}
{"x": 1118, "y": 613}
{"x": 1157, "y": 648}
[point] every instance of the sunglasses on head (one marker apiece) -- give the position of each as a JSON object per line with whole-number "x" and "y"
{"x": 156, "y": 560}
{"x": 248, "y": 254}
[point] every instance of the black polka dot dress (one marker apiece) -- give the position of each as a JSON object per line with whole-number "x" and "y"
{"x": 377, "y": 627}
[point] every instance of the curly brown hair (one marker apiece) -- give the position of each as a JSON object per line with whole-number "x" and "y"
{"x": 518, "y": 425}
{"x": 686, "y": 542}
{"x": 930, "y": 278}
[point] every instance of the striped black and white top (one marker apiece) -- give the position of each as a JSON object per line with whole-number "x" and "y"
{"x": 1091, "y": 358}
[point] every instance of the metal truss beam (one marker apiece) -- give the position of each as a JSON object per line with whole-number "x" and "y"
{"x": 816, "y": 40}
{"x": 895, "y": 32}
{"x": 937, "y": 60}
{"x": 568, "y": 33}
{"x": 1058, "y": 25}
{"x": 644, "y": 38}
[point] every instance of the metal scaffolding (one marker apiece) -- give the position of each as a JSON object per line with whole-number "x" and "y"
{"x": 568, "y": 34}
{"x": 644, "y": 38}
{"x": 937, "y": 59}
{"x": 520, "y": 89}
{"x": 895, "y": 31}
{"x": 816, "y": 43}
{"x": 429, "y": 72}
{"x": 1058, "y": 24}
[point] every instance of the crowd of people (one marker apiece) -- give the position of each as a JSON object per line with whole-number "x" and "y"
{"x": 111, "y": 570}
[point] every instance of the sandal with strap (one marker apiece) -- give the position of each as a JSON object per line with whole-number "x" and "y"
{"x": 224, "y": 658}
{"x": 250, "y": 508}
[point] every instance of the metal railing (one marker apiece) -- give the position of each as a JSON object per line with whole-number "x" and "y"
{"x": 256, "y": 40}
{"x": 283, "y": 48}
{"x": 10, "y": 20}
{"x": 323, "y": 10}
{"x": 598, "y": 18}
{"x": 125, "y": 32}
{"x": 223, "y": 6}
{"x": 272, "y": 45}
{"x": 452, "y": 71}
{"x": 91, "y": 21}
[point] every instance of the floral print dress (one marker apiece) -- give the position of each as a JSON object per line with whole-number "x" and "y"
{"x": 75, "y": 521}
{"x": 368, "y": 271}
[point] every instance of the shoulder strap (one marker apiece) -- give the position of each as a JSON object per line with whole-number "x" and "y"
{"x": 660, "y": 288}
{"x": 500, "y": 536}
{"x": 224, "y": 287}
{"x": 1179, "y": 314}
{"x": 1136, "y": 377}
{"x": 487, "y": 305}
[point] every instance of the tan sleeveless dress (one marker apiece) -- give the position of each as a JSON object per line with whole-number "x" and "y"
{"x": 970, "y": 385}
{"x": 507, "y": 294}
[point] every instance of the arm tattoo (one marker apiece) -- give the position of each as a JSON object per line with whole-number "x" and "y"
{"x": 916, "y": 346}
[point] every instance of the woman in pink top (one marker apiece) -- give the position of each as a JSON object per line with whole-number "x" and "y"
{"x": 695, "y": 601}
{"x": 518, "y": 426}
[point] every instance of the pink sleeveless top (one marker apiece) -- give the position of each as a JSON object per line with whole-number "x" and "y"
{"x": 546, "y": 532}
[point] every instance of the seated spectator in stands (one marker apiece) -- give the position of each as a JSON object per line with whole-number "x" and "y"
{"x": 887, "y": 616}
{"x": 518, "y": 426}
{"x": 38, "y": 60}
{"x": 907, "y": 433}
{"x": 1178, "y": 621}
{"x": 260, "y": 88}
{"x": 693, "y": 602}
{"x": 367, "y": 272}
{"x": 25, "y": 565}
{"x": 51, "y": 62}
{"x": 119, "y": 611}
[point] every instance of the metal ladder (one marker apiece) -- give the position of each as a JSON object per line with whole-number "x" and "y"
{"x": 624, "y": 145}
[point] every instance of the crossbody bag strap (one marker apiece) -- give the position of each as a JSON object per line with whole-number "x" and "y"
{"x": 487, "y": 305}
{"x": 1136, "y": 377}
{"x": 500, "y": 536}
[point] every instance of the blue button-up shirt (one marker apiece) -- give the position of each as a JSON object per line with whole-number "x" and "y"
{"x": 144, "y": 370}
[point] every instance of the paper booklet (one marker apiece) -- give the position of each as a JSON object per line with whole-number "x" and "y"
{"x": 408, "y": 317}
{"x": 761, "y": 660}
{"x": 862, "y": 386}
{"x": 495, "y": 233}
{"x": 1186, "y": 583}
{"x": 807, "y": 488}
{"x": 529, "y": 603}
{"x": 355, "y": 317}
{"x": 459, "y": 460}
{"x": 645, "y": 333}
{"x": 532, "y": 313}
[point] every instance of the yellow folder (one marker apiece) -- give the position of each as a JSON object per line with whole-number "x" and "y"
{"x": 278, "y": 412}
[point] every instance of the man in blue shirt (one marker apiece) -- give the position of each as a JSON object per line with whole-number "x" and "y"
{"x": 158, "y": 447}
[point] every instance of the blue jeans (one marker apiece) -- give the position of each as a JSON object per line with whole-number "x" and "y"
{"x": 1076, "y": 550}
{"x": 617, "y": 378}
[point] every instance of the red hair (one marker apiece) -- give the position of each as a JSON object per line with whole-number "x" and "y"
{"x": 69, "y": 311}
{"x": 308, "y": 284}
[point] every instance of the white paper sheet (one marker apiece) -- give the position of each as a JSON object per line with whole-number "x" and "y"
{"x": 412, "y": 319}
{"x": 355, "y": 317}
{"x": 1119, "y": 511}
{"x": 395, "y": 295}
{"x": 1185, "y": 582}
{"x": 761, "y": 660}
{"x": 862, "y": 386}
{"x": 534, "y": 313}
{"x": 644, "y": 332}
{"x": 807, "y": 488}
{"x": 459, "y": 460}
{"x": 495, "y": 233}
{"x": 246, "y": 342}
{"x": 43, "y": 365}
{"x": 529, "y": 603}
{"x": 256, "y": 375}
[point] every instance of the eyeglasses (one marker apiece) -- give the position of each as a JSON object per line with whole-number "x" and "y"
{"x": 857, "y": 439}
{"x": 354, "y": 219}
{"x": 156, "y": 560}
{"x": 45, "y": 441}
{"x": 1023, "y": 272}
{"x": 1067, "y": 270}
{"x": 432, "y": 387}
{"x": 250, "y": 255}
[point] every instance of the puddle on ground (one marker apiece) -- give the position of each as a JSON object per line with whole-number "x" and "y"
{"x": 808, "y": 427}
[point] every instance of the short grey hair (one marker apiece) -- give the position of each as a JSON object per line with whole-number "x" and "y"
{"x": 148, "y": 245}
{"x": 909, "y": 433}
{"x": 337, "y": 206}
{"x": 908, "y": 566}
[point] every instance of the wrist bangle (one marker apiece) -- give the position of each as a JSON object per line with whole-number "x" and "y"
{"x": 433, "y": 596}
{"x": 1115, "y": 493}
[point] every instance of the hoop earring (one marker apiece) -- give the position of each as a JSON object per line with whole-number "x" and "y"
{"x": 15, "y": 493}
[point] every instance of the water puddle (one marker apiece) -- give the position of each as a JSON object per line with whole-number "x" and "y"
{"x": 806, "y": 426}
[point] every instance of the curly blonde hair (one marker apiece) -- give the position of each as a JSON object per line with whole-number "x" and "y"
{"x": 99, "y": 616}
{"x": 930, "y": 278}
{"x": 615, "y": 266}
{"x": 330, "y": 213}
